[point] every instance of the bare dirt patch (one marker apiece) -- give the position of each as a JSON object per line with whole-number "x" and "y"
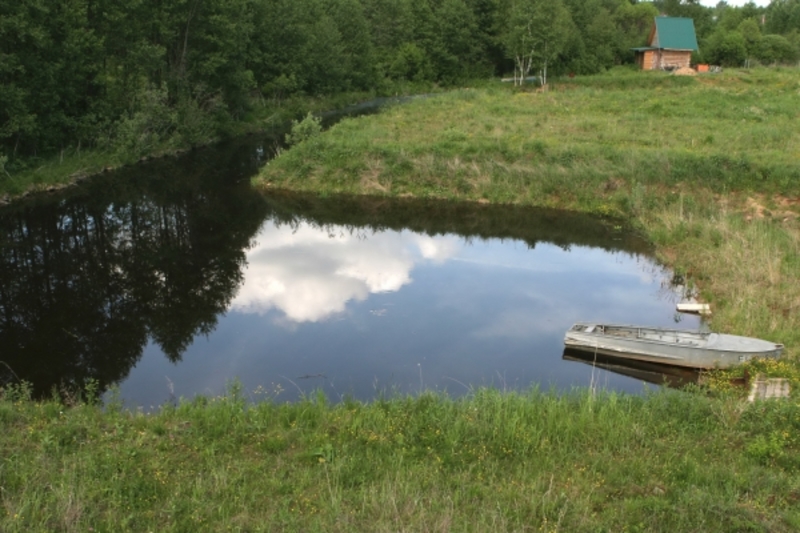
{"x": 612, "y": 184}
{"x": 785, "y": 209}
{"x": 684, "y": 71}
{"x": 754, "y": 209}
{"x": 370, "y": 179}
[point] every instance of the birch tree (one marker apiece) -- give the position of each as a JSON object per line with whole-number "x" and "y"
{"x": 518, "y": 39}
{"x": 535, "y": 34}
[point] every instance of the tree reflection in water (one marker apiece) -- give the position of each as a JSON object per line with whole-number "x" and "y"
{"x": 153, "y": 252}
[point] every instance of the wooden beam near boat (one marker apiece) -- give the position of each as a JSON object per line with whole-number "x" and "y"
{"x": 766, "y": 388}
{"x": 695, "y": 308}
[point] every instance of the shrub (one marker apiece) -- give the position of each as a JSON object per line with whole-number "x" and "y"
{"x": 307, "y": 128}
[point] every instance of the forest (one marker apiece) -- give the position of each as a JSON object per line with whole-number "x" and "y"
{"x": 129, "y": 75}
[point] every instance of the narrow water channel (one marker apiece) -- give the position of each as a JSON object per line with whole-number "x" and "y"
{"x": 174, "y": 278}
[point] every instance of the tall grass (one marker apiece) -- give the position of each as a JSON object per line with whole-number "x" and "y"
{"x": 491, "y": 461}
{"x": 747, "y": 266}
{"x": 502, "y": 145}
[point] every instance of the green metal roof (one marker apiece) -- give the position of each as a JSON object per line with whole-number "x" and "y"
{"x": 674, "y": 33}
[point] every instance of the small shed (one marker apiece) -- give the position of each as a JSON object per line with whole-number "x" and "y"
{"x": 669, "y": 46}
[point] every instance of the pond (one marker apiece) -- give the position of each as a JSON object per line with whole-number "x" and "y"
{"x": 174, "y": 278}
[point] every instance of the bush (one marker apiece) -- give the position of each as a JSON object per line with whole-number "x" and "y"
{"x": 775, "y": 49}
{"x": 3, "y": 171}
{"x": 307, "y": 128}
{"x": 411, "y": 63}
{"x": 728, "y": 49}
{"x": 154, "y": 121}
{"x": 200, "y": 116}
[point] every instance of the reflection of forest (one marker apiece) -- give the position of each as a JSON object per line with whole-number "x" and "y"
{"x": 85, "y": 282}
{"x": 470, "y": 220}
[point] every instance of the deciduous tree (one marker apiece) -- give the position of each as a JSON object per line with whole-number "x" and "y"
{"x": 537, "y": 31}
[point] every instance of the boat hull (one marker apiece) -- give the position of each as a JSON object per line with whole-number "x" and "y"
{"x": 692, "y": 349}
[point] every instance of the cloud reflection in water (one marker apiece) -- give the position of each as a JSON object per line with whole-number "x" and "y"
{"x": 310, "y": 275}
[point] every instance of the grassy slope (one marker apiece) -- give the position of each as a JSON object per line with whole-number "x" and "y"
{"x": 530, "y": 147}
{"x": 491, "y": 462}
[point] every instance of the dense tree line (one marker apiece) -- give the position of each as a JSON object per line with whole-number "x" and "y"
{"x": 132, "y": 74}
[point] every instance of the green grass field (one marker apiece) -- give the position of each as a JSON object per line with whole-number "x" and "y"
{"x": 491, "y": 461}
{"x": 730, "y": 132}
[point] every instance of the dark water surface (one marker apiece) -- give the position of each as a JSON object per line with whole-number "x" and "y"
{"x": 173, "y": 278}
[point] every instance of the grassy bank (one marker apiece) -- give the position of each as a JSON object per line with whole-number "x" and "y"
{"x": 706, "y": 166}
{"x": 727, "y": 132}
{"x": 489, "y": 462}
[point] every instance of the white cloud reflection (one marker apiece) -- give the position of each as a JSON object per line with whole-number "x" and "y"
{"x": 310, "y": 273}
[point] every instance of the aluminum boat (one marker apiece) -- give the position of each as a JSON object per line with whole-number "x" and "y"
{"x": 689, "y": 348}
